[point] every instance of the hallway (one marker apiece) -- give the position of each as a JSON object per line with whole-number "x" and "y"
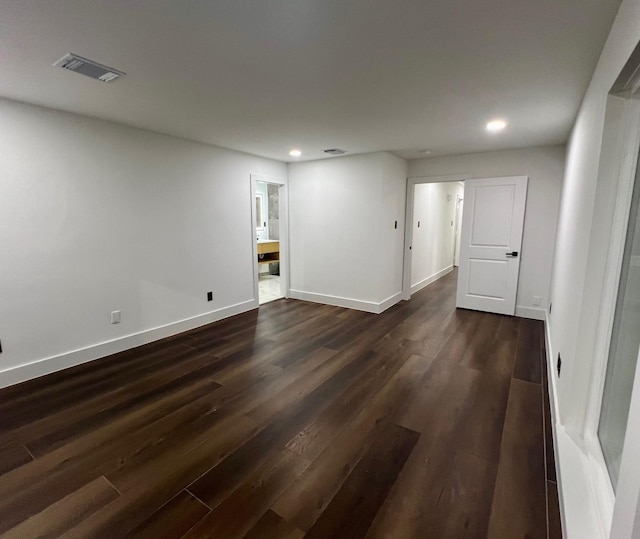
{"x": 293, "y": 420}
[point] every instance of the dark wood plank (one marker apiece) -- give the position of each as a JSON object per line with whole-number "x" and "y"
{"x": 159, "y": 455}
{"x": 453, "y": 350}
{"x": 417, "y": 324}
{"x": 366, "y": 331}
{"x": 482, "y": 433}
{"x": 316, "y": 435}
{"x": 206, "y": 443}
{"x": 13, "y": 456}
{"x": 273, "y": 526}
{"x": 192, "y": 426}
{"x": 216, "y": 484}
{"x": 307, "y": 330}
{"x": 528, "y": 365}
{"x": 265, "y": 409}
{"x": 435, "y": 340}
{"x": 148, "y": 370}
{"x": 32, "y": 487}
{"x": 303, "y": 502}
{"x": 63, "y": 429}
{"x": 303, "y": 376}
{"x": 241, "y": 510}
{"x": 465, "y": 502}
{"x": 173, "y": 519}
{"x": 155, "y": 482}
{"x": 72, "y": 389}
{"x": 553, "y": 511}
{"x": 517, "y": 511}
{"x": 467, "y": 320}
{"x": 437, "y": 409}
{"x": 356, "y": 504}
{"x": 509, "y": 328}
{"x": 479, "y": 350}
{"x": 312, "y": 394}
{"x": 67, "y": 512}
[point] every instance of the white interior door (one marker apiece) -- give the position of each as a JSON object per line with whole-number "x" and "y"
{"x": 490, "y": 244}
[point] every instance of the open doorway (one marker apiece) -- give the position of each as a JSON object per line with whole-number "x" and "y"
{"x": 269, "y": 224}
{"x": 436, "y": 214}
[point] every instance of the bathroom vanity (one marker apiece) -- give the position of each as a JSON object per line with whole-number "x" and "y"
{"x": 268, "y": 251}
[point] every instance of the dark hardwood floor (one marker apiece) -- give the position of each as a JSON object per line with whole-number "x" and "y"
{"x": 299, "y": 420}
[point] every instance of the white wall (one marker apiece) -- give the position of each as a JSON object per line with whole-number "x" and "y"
{"x": 345, "y": 249}
{"x": 544, "y": 166}
{"x": 96, "y": 217}
{"x": 581, "y": 250}
{"x": 432, "y": 244}
{"x": 581, "y": 257}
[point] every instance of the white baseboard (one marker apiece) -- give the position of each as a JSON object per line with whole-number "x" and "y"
{"x": 577, "y": 505}
{"x": 389, "y": 302}
{"x": 431, "y": 279}
{"x": 578, "y": 510}
{"x": 349, "y": 303}
{"x": 553, "y": 405}
{"x": 535, "y": 313}
{"x": 35, "y": 369}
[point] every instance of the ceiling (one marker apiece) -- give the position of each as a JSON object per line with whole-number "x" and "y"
{"x": 267, "y": 76}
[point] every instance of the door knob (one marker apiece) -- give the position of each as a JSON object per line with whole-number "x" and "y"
{"x": 512, "y": 254}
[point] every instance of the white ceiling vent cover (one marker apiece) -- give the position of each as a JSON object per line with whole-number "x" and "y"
{"x": 73, "y": 62}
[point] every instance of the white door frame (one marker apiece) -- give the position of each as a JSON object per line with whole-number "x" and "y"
{"x": 284, "y": 235}
{"x": 408, "y": 222}
{"x": 456, "y": 231}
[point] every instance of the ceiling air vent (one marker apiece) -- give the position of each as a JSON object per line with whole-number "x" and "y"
{"x": 335, "y": 151}
{"x": 73, "y": 62}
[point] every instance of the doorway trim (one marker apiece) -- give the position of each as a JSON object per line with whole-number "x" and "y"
{"x": 457, "y": 230}
{"x": 283, "y": 233}
{"x": 408, "y": 222}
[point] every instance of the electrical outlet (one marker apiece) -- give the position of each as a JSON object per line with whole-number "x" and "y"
{"x": 115, "y": 317}
{"x": 559, "y": 364}
{"x": 209, "y": 296}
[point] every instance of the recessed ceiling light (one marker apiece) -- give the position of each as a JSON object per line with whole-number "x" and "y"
{"x": 496, "y": 125}
{"x": 295, "y": 153}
